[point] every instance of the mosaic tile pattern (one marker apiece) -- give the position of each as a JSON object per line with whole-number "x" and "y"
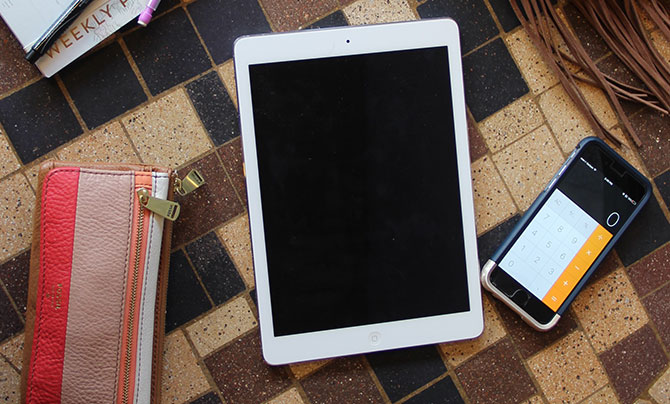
{"x": 167, "y": 95}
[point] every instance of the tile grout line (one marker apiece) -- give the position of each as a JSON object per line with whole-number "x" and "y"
{"x": 198, "y": 277}
{"x": 375, "y": 379}
{"x": 66, "y": 93}
{"x": 3, "y": 288}
{"x": 138, "y": 74}
{"x": 201, "y": 364}
{"x": 197, "y": 34}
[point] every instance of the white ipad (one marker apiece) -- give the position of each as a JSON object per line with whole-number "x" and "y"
{"x": 360, "y": 195}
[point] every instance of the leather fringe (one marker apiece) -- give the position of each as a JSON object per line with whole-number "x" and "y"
{"x": 621, "y": 25}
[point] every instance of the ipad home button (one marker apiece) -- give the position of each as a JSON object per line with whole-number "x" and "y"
{"x": 374, "y": 338}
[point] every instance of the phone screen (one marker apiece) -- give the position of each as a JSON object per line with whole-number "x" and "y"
{"x": 589, "y": 205}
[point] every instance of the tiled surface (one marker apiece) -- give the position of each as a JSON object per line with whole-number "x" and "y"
{"x": 166, "y": 94}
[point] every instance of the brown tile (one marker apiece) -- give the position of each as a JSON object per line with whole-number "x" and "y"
{"x": 615, "y": 68}
{"x": 651, "y": 271}
{"x": 537, "y": 73}
{"x": 593, "y": 44}
{"x": 207, "y": 207}
{"x": 233, "y": 160}
{"x": 458, "y": 352}
{"x": 183, "y": 378}
{"x": 496, "y": 375}
{"x": 477, "y": 145}
{"x": 527, "y": 165}
{"x": 227, "y": 72}
{"x": 235, "y": 236}
{"x": 644, "y": 359}
{"x": 14, "y": 274}
{"x": 12, "y": 350}
{"x": 291, "y": 396}
{"x": 651, "y": 127}
{"x": 303, "y": 369}
{"x": 167, "y": 132}
{"x": 660, "y": 390}
{"x": 568, "y": 371}
{"x": 8, "y": 160}
{"x": 511, "y": 123}
{"x": 32, "y": 171}
{"x": 242, "y": 375}
{"x": 344, "y": 380}
{"x": 221, "y": 326}
{"x": 604, "y": 396}
{"x": 564, "y": 118}
{"x": 658, "y": 307}
{"x": 609, "y": 310}
{"x": 378, "y": 11}
{"x": 105, "y": 145}
{"x": 289, "y": 15}
{"x": 14, "y": 67}
{"x": 16, "y": 214}
{"x": 9, "y": 383}
{"x": 526, "y": 339}
{"x": 493, "y": 204}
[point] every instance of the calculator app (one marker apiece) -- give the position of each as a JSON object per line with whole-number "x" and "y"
{"x": 556, "y": 249}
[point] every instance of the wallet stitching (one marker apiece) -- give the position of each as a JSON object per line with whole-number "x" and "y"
{"x": 44, "y": 265}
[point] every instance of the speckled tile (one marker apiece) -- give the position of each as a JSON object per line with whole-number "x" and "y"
{"x": 496, "y": 375}
{"x": 568, "y": 371}
{"x": 489, "y": 242}
{"x": 291, "y": 396}
{"x": 183, "y": 378}
{"x": 599, "y": 104}
{"x": 651, "y": 127}
{"x": 227, "y": 72}
{"x": 663, "y": 184}
{"x": 649, "y": 231}
{"x": 235, "y": 236}
{"x": 564, "y": 118}
{"x": 493, "y": 204}
{"x": 209, "y": 398}
{"x": 644, "y": 360}
{"x": 335, "y": 19}
{"x": 537, "y": 73}
{"x": 378, "y": 11}
{"x": 215, "y": 108}
{"x": 627, "y": 150}
{"x": 593, "y": 44}
{"x": 476, "y": 141}
{"x": 221, "y": 326}
{"x": 658, "y": 307}
{"x": 604, "y": 396}
{"x": 8, "y": 160}
{"x": 167, "y": 132}
{"x": 609, "y": 265}
{"x": 12, "y": 351}
{"x": 289, "y": 15}
{"x": 106, "y": 145}
{"x": 533, "y": 400}
{"x": 243, "y": 377}
{"x": 32, "y": 170}
{"x": 233, "y": 160}
{"x": 14, "y": 274}
{"x": 458, "y": 352}
{"x": 527, "y": 165}
{"x": 442, "y": 392}
{"x": 609, "y": 310}
{"x": 344, "y": 380}
{"x": 660, "y": 390}
{"x": 16, "y": 214}
{"x": 510, "y": 123}
{"x": 15, "y": 69}
{"x": 526, "y": 339}
{"x": 661, "y": 44}
{"x": 10, "y": 382}
{"x": 303, "y": 369}
{"x": 651, "y": 271}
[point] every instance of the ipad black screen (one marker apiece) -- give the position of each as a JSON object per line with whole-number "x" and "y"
{"x": 359, "y": 189}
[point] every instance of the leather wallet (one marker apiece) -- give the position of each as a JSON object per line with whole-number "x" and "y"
{"x": 98, "y": 282}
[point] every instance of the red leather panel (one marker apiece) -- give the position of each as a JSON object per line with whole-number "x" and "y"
{"x": 59, "y": 208}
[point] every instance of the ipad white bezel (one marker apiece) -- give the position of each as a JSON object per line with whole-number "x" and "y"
{"x": 321, "y": 43}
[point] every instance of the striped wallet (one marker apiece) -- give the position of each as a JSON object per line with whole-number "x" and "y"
{"x": 98, "y": 282}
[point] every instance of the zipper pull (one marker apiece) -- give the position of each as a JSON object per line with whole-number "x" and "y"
{"x": 161, "y": 207}
{"x": 190, "y": 183}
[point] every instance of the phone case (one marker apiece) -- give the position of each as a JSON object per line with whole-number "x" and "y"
{"x": 491, "y": 264}
{"x": 98, "y": 283}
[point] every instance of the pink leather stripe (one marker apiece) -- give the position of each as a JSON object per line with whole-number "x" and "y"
{"x": 58, "y": 209}
{"x": 100, "y": 262}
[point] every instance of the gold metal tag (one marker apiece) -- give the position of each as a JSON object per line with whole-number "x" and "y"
{"x": 161, "y": 207}
{"x": 190, "y": 183}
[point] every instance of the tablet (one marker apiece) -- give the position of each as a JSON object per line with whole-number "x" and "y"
{"x": 359, "y": 187}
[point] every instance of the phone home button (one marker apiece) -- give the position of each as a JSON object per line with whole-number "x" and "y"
{"x": 520, "y": 297}
{"x": 374, "y": 338}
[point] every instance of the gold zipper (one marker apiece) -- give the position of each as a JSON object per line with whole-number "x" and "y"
{"x": 162, "y": 207}
{"x": 190, "y": 183}
{"x": 133, "y": 298}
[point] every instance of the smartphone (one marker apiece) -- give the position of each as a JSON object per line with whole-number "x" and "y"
{"x": 565, "y": 234}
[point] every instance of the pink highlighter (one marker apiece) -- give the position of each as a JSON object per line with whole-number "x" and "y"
{"x": 146, "y": 14}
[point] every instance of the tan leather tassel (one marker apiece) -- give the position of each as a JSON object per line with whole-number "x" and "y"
{"x": 621, "y": 26}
